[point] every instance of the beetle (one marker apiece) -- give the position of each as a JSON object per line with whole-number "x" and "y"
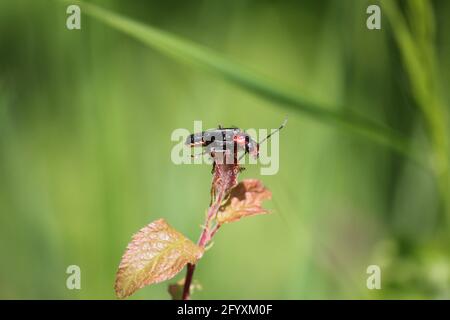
{"x": 223, "y": 140}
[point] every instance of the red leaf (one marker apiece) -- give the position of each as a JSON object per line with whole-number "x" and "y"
{"x": 156, "y": 253}
{"x": 245, "y": 200}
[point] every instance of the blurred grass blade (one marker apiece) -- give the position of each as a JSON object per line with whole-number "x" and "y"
{"x": 194, "y": 54}
{"x": 416, "y": 44}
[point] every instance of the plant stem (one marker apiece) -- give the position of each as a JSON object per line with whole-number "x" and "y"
{"x": 214, "y": 230}
{"x": 205, "y": 238}
{"x": 187, "y": 281}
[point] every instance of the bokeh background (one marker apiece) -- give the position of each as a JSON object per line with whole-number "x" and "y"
{"x": 86, "y": 118}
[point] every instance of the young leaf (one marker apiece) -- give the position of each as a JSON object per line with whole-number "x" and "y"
{"x": 176, "y": 289}
{"x": 225, "y": 177}
{"x": 156, "y": 253}
{"x": 245, "y": 200}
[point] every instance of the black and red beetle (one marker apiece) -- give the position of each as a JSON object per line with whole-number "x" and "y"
{"x": 223, "y": 140}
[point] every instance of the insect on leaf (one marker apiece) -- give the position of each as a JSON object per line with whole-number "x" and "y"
{"x": 281, "y": 94}
{"x": 245, "y": 200}
{"x": 156, "y": 253}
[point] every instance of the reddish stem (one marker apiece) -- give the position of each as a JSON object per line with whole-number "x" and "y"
{"x": 187, "y": 281}
{"x": 205, "y": 238}
{"x": 214, "y": 230}
{"x": 224, "y": 179}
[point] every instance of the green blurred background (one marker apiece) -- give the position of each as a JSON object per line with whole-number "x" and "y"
{"x": 85, "y": 124}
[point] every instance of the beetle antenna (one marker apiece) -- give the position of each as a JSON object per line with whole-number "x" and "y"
{"x": 268, "y": 136}
{"x": 272, "y": 133}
